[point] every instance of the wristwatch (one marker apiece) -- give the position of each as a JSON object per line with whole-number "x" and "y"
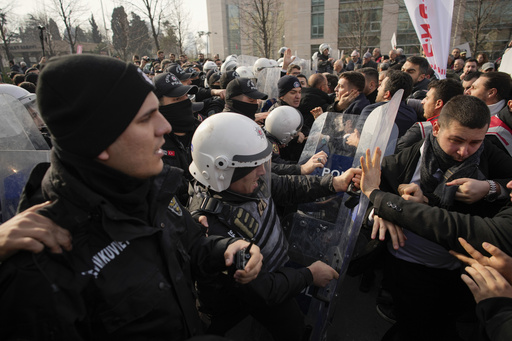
{"x": 492, "y": 195}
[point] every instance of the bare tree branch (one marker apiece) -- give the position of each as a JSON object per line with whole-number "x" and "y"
{"x": 69, "y": 11}
{"x": 154, "y": 11}
{"x": 481, "y": 20}
{"x": 262, "y": 24}
{"x": 180, "y": 19}
{"x": 6, "y": 34}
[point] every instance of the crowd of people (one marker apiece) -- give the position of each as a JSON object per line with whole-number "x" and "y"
{"x": 160, "y": 214}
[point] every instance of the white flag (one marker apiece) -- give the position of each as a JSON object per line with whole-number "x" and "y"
{"x": 393, "y": 41}
{"x": 506, "y": 62}
{"x": 432, "y": 20}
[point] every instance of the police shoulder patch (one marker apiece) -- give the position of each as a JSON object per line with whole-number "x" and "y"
{"x": 175, "y": 207}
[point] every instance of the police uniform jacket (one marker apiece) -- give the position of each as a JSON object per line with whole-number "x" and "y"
{"x": 125, "y": 278}
{"x": 277, "y": 283}
{"x": 323, "y": 64}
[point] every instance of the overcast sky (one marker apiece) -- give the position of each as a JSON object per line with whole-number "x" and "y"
{"x": 196, "y": 8}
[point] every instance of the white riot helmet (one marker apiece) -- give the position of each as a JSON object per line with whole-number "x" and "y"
{"x": 296, "y": 61}
{"x": 280, "y": 62}
{"x": 261, "y": 64}
{"x": 209, "y": 65}
{"x": 282, "y": 50}
{"x": 245, "y": 72}
{"x": 230, "y": 58}
{"x": 223, "y": 143}
{"x": 273, "y": 63}
{"x": 284, "y": 123}
{"x": 26, "y": 98}
{"x": 228, "y": 65}
{"x": 324, "y": 47}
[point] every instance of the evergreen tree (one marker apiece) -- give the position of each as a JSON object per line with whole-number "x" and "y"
{"x": 120, "y": 29}
{"x": 96, "y": 35}
{"x": 30, "y": 33}
{"x": 169, "y": 41}
{"x": 81, "y": 35}
{"x": 139, "y": 41}
{"x": 54, "y": 30}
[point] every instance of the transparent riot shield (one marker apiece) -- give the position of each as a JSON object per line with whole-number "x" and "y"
{"x": 315, "y": 237}
{"x": 21, "y": 148}
{"x": 328, "y": 134}
{"x": 307, "y": 69}
{"x": 244, "y": 60}
{"x": 14, "y": 172}
{"x": 305, "y": 66}
{"x": 17, "y": 128}
{"x": 267, "y": 81}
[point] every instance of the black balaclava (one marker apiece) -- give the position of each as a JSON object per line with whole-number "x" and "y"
{"x": 180, "y": 116}
{"x": 246, "y": 109}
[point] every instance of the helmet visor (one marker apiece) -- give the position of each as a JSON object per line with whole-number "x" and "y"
{"x": 252, "y": 181}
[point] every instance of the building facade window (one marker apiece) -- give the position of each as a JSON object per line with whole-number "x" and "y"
{"x": 233, "y": 28}
{"x": 359, "y": 24}
{"x": 317, "y": 19}
{"x": 406, "y": 36}
{"x": 314, "y": 48}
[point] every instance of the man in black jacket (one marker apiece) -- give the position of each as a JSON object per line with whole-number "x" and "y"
{"x": 405, "y": 117}
{"x": 417, "y": 68}
{"x": 135, "y": 250}
{"x": 439, "y": 93}
{"x": 350, "y": 98}
{"x": 454, "y": 167}
{"x": 314, "y": 96}
{"x": 446, "y": 228}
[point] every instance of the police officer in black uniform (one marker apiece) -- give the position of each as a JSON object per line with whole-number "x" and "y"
{"x": 135, "y": 250}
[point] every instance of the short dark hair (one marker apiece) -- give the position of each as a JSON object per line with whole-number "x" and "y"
{"x": 303, "y": 76}
{"x": 291, "y": 67}
{"x": 500, "y": 81}
{"x": 471, "y": 60}
{"x": 159, "y": 51}
{"x": 446, "y": 89}
{"x": 18, "y": 79}
{"x": 332, "y": 81}
{"x": 355, "y": 79}
{"x": 398, "y": 80}
{"x": 421, "y": 62}
{"x": 469, "y": 111}
{"x": 370, "y": 73}
{"x": 472, "y": 75}
{"x": 30, "y": 87}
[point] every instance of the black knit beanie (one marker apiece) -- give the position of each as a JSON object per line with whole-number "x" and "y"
{"x": 88, "y": 114}
{"x": 287, "y": 83}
